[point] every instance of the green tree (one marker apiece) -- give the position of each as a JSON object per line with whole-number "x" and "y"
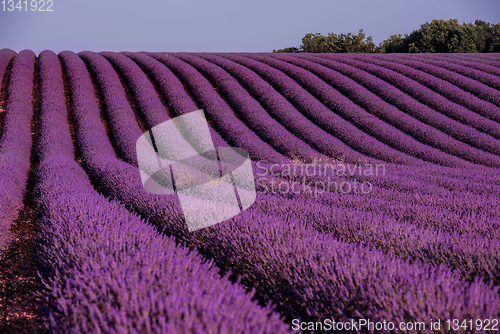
{"x": 438, "y": 36}
{"x": 314, "y": 43}
{"x": 488, "y": 36}
{"x": 291, "y": 49}
{"x": 393, "y": 44}
{"x": 446, "y": 36}
{"x": 484, "y": 36}
{"x": 333, "y": 43}
{"x": 441, "y": 36}
{"x": 495, "y": 42}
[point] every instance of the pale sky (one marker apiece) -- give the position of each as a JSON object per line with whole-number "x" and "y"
{"x": 219, "y": 25}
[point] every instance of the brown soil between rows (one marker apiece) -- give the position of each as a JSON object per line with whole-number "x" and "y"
{"x": 21, "y": 308}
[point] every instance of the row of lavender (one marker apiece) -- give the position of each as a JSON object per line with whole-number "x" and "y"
{"x": 83, "y": 235}
{"x": 425, "y": 85}
{"x": 383, "y": 120}
{"x": 134, "y": 80}
{"x": 461, "y": 216}
{"x": 329, "y": 203}
{"x": 489, "y": 143}
{"x": 283, "y": 249}
{"x": 15, "y": 142}
{"x": 390, "y": 195}
{"x": 107, "y": 270}
{"x": 476, "y": 81}
{"x": 251, "y": 236}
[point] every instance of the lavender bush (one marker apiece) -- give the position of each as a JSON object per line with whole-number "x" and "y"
{"x": 473, "y": 86}
{"x": 284, "y": 112}
{"x": 378, "y": 110}
{"x": 422, "y": 243}
{"x": 100, "y": 257}
{"x": 360, "y": 117}
{"x": 388, "y": 92}
{"x": 16, "y": 141}
{"x": 446, "y": 89}
{"x": 317, "y": 111}
{"x": 233, "y": 130}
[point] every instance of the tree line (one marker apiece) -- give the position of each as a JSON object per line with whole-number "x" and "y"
{"x": 438, "y": 36}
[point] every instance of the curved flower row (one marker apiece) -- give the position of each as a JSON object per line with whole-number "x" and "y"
{"x": 285, "y": 113}
{"x": 477, "y": 65}
{"x": 423, "y": 94}
{"x": 387, "y": 113}
{"x": 473, "y": 58}
{"x": 358, "y": 116}
{"x": 469, "y": 246}
{"x": 251, "y": 111}
{"x": 443, "y": 87}
{"x": 95, "y": 147}
{"x": 100, "y": 256}
{"x": 473, "y": 86}
{"x": 172, "y": 146}
{"x": 318, "y": 112}
{"x": 232, "y": 129}
{"x": 283, "y": 258}
{"x": 178, "y": 100}
{"x": 481, "y": 181}
{"x": 92, "y": 136}
{"x": 307, "y": 272}
{"x": 143, "y": 93}
{"x": 390, "y": 93}
{"x": 55, "y": 137}
{"x": 16, "y": 140}
{"x": 124, "y": 127}
{"x": 114, "y": 177}
{"x": 478, "y": 55}
{"x": 425, "y": 205}
{"x": 401, "y": 226}
{"x": 483, "y": 58}
{"x": 150, "y": 106}
{"x": 121, "y": 117}
{"x": 220, "y": 248}
{"x": 430, "y": 101}
{"x": 423, "y": 213}
{"x": 254, "y": 237}
{"x": 480, "y": 76}
{"x": 396, "y": 183}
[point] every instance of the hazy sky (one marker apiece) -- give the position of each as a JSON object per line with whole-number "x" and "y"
{"x": 219, "y": 25}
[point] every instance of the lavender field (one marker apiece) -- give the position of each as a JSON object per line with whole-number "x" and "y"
{"x": 402, "y": 223}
